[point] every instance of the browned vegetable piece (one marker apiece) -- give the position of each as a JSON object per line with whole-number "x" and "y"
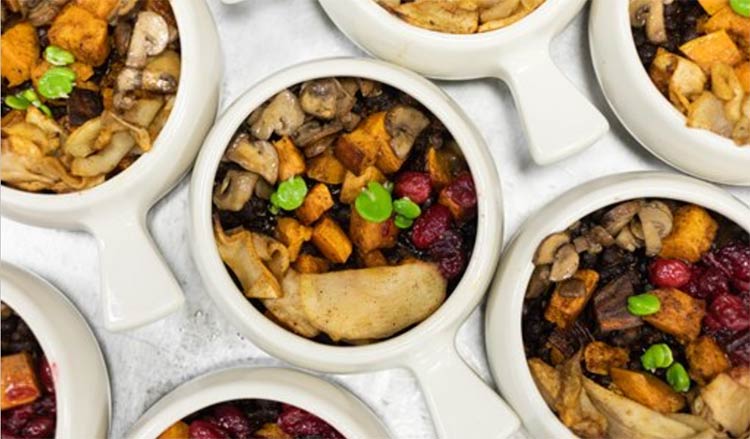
{"x": 18, "y": 383}
{"x": 403, "y": 125}
{"x": 680, "y": 314}
{"x": 359, "y": 149}
{"x": 79, "y": 31}
{"x": 101, "y": 8}
{"x": 331, "y": 240}
{"x": 692, "y": 235}
{"x": 563, "y": 311}
{"x": 441, "y": 16}
{"x": 353, "y": 184}
{"x": 743, "y": 74}
{"x": 716, "y": 47}
{"x": 311, "y": 264}
{"x": 439, "y": 167}
{"x": 648, "y": 390}
{"x": 178, "y": 430}
{"x": 706, "y": 359}
{"x": 19, "y": 51}
{"x": 326, "y": 168}
{"x": 713, "y": 6}
{"x": 271, "y": 431}
{"x": 291, "y": 160}
{"x": 601, "y": 357}
{"x": 610, "y": 306}
{"x": 293, "y": 234}
{"x": 316, "y": 203}
{"x": 733, "y": 23}
{"x": 375, "y": 258}
{"x": 369, "y": 236}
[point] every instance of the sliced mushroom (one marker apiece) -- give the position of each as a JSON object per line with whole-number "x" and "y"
{"x": 162, "y": 74}
{"x": 259, "y": 157}
{"x": 235, "y": 190}
{"x": 325, "y": 98}
{"x": 545, "y": 253}
{"x": 656, "y": 223}
{"x": 45, "y": 11}
{"x": 369, "y": 88}
{"x": 312, "y": 132}
{"x": 565, "y": 264}
{"x": 649, "y": 13}
{"x": 150, "y": 38}
{"x": 539, "y": 282}
{"x": 627, "y": 241}
{"x": 611, "y": 306}
{"x": 263, "y": 190}
{"x": 404, "y": 124}
{"x": 283, "y": 115}
{"x": 619, "y": 216}
{"x": 571, "y": 288}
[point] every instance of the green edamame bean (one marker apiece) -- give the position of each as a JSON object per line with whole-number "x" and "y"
{"x": 657, "y": 356}
{"x": 374, "y": 203}
{"x": 57, "y": 83}
{"x": 643, "y": 304}
{"x": 407, "y": 208}
{"x": 741, "y": 7}
{"x": 17, "y": 102}
{"x": 402, "y": 222}
{"x": 678, "y": 378}
{"x": 290, "y": 194}
{"x": 58, "y": 56}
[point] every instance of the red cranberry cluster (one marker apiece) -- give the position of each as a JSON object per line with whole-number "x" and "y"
{"x": 722, "y": 279}
{"x": 437, "y": 229}
{"x": 36, "y": 420}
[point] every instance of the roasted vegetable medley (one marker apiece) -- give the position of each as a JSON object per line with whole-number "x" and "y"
{"x": 636, "y": 323}
{"x": 251, "y": 419}
{"x": 28, "y": 390}
{"x": 461, "y": 16}
{"x": 87, "y": 86}
{"x": 697, "y": 53}
{"x": 345, "y": 210}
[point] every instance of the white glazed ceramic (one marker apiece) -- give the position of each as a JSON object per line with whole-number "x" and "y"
{"x": 137, "y": 286}
{"x": 503, "y": 319}
{"x": 646, "y": 113}
{"x": 339, "y": 408}
{"x": 557, "y": 119}
{"x": 78, "y": 368}
{"x": 459, "y": 401}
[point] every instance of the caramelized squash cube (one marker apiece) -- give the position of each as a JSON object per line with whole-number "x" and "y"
{"x": 316, "y": 203}
{"x": 743, "y": 74}
{"x": 19, "y": 384}
{"x": 563, "y": 311}
{"x": 331, "y": 240}
{"x": 713, "y": 48}
{"x": 178, "y": 430}
{"x": 680, "y": 314}
{"x": 19, "y": 52}
{"x": 291, "y": 160}
{"x": 644, "y": 388}
{"x": 693, "y": 233}
{"x": 353, "y": 184}
{"x": 292, "y": 234}
{"x": 706, "y": 359}
{"x": 326, "y": 168}
{"x": 369, "y": 236}
{"x": 360, "y": 148}
{"x": 271, "y": 431}
{"x": 439, "y": 168}
{"x": 713, "y": 6}
{"x": 82, "y": 33}
{"x": 375, "y": 258}
{"x": 311, "y": 264}
{"x": 601, "y": 357}
{"x": 728, "y": 20}
{"x": 101, "y": 8}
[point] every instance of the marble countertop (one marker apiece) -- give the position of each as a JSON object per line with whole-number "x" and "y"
{"x": 258, "y": 38}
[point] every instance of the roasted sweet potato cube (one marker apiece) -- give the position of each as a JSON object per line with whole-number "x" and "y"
{"x": 19, "y": 51}
{"x": 648, "y": 390}
{"x": 353, "y": 184}
{"x": 706, "y": 359}
{"x": 178, "y": 430}
{"x": 101, "y": 8}
{"x": 271, "y": 431}
{"x": 19, "y": 381}
{"x": 311, "y": 264}
{"x": 726, "y": 19}
{"x": 369, "y": 236}
{"x": 359, "y": 149}
{"x": 601, "y": 357}
{"x": 680, "y": 314}
{"x": 439, "y": 167}
{"x": 743, "y": 74}
{"x": 82, "y": 33}
{"x": 291, "y": 160}
{"x": 388, "y": 161}
{"x": 331, "y": 240}
{"x": 327, "y": 169}
{"x": 375, "y": 258}
{"x": 316, "y": 203}
{"x": 563, "y": 311}
{"x": 713, "y": 6}
{"x": 693, "y": 232}
{"x": 713, "y": 48}
{"x": 292, "y": 234}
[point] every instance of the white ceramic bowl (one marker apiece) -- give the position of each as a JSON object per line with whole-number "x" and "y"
{"x": 137, "y": 285}
{"x": 558, "y": 120}
{"x": 646, "y": 113}
{"x": 460, "y": 402}
{"x": 503, "y": 320}
{"x": 339, "y": 408}
{"x": 78, "y": 368}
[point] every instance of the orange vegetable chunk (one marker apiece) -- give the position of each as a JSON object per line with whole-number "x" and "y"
{"x": 19, "y": 381}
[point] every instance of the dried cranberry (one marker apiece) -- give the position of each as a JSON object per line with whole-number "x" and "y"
{"x": 450, "y": 267}
{"x": 46, "y": 405}
{"x": 707, "y": 282}
{"x": 45, "y": 375}
{"x": 730, "y": 313}
{"x": 669, "y": 273}
{"x": 430, "y": 226}
{"x": 447, "y": 245}
{"x": 297, "y": 422}
{"x": 15, "y": 419}
{"x": 460, "y": 197}
{"x": 233, "y": 420}
{"x": 200, "y": 429}
{"x": 8, "y": 434}
{"x": 735, "y": 258}
{"x": 40, "y": 427}
{"x": 414, "y": 185}
{"x": 739, "y": 349}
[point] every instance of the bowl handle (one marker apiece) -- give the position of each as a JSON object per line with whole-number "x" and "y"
{"x": 137, "y": 286}
{"x": 559, "y": 121}
{"x": 461, "y": 404}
